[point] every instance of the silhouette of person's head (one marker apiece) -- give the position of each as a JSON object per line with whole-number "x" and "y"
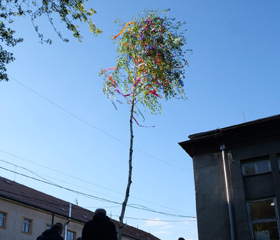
{"x": 100, "y": 211}
{"x": 58, "y": 227}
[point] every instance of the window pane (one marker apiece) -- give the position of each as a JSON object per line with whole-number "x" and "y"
{"x": 70, "y": 235}
{"x": 26, "y": 225}
{"x": 265, "y": 231}
{"x": 2, "y": 219}
{"x": 262, "y": 209}
{"x": 263, "y": 166}
{"x": 255, "y": 166}
{"x": 249, "y": 168}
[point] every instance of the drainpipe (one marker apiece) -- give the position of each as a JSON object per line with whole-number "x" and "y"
{"x": 69, "y": 218}
{"x": 222, "y": 148}
{"x": 52, "y": 218}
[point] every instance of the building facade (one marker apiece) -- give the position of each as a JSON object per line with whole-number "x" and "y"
{"x": 25, "y": 213}
{"x": 237, "y": 180}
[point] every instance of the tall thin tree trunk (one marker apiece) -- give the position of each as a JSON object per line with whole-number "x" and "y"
{"x": 129, "y": 173}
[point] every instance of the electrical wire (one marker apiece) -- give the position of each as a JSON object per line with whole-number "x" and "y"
{"x": 73, "y": 206}
{"x": 97, "y": 198}
{"x": 71, "y": 176}
{"x": 157, "y": 220}
{"x": 65, "y": 174}
{"x": 40, "y": 176}
{"x": 85, "y": 122}
{"x": 91, "y": 125}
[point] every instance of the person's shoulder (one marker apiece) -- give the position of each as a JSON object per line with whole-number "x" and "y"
{"x": 90, "y": 221}
{"x": 112, "y": 223}
{"x": 39, "y": 237}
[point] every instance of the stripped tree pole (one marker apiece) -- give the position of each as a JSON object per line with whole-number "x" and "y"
{"x": 150, "y": 65}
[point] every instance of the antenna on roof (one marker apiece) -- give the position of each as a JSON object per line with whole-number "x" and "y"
{"x": 243, "y": 115}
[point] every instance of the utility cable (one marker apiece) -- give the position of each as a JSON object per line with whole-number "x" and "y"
{"x": 75, "y": 207}
{"x": 71, "y": 176}
{"x": 95, "y": 197}
{"x": 157, "y": 220}
{"x": 91, "y": 125}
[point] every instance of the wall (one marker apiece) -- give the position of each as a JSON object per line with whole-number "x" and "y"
{"x": 253, "y": 187}
{"x": 15, "y": 214}
{"x": 40, "y": 219}
{"x": 211, "y": 203}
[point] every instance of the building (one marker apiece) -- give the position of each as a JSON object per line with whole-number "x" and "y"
{"x": 237, "y": 180}
{"x": 25, "y": 213}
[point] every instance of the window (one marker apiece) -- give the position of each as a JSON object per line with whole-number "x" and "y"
{"x": 70, "y": 235}
{"x": 263, "y": 219}
{"x": 3, "y": 219}
{"x": 255, "y": 166}
{"x": 27, "y": 225}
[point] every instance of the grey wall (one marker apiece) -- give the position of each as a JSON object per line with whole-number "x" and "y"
{"x": 252, "y": 187}
{"x": 211, "y": 203}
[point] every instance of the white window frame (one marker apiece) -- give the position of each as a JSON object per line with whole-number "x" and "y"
{"x": 251, "y": 222}
{"x": 24, "y": 224}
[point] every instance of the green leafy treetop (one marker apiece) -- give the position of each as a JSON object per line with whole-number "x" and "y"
{"x": 69, "y": 12}
{"x": 150, "y": 62}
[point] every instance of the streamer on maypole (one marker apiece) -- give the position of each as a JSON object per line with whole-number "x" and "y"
{"x": 150, "y": 65}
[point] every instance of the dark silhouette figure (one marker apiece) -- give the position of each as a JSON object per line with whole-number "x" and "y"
{"x": 54, "y": 233}
{"x": 99, "y": 228}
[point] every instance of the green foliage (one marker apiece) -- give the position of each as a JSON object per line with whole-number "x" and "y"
{"x": 5, "y": 56}
{"x": 68, "y": 11}
{"x": 150, "y": 61}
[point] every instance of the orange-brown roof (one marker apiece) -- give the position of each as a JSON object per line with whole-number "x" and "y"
{"x": 31, "y": 197}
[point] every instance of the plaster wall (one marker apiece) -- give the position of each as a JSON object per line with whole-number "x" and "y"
{"x": 40, "y": 219}
{"x": 16, "y": 212}
{"x": 211, "y": 203}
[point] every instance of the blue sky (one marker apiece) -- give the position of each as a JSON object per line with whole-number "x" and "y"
{"x": 56, "y": 122}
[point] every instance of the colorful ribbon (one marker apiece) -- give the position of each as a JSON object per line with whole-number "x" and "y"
{"x": 124, "y": 29}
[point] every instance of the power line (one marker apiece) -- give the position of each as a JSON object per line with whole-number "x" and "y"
{"x": 157, "y": 220}
{"x": 65, "y": 188}
{"x": 91, "y": 125}
{"x": 24, "y": 169}
{"x": 71, "y": 176}
{"x": 66, "y": 205}
{"x": 40, "y": 176}
{"x": 65, "y": 174}
{"x": 95, "y": 197}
